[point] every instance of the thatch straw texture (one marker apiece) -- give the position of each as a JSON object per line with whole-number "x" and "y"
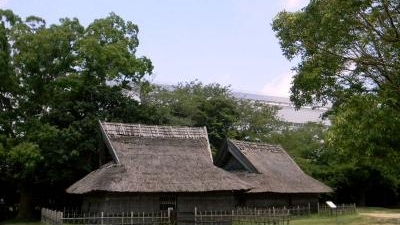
{"x": 158, "y": 159}
{"x": 275, "y": 171}
{"x": 152, "y": 131}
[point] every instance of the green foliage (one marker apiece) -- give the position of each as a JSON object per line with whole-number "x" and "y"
{"x": 366, "y": 152}
{"x": 194, "y": 104}
{"x": 59, "y": 80}
{"x": 213, "y": 106}
{"x": 345, "y": 47}
{"x": 306, "y": 145}
{"x": 373, "y": 136}
{"x": 257, "y": 121}
{"x": 348, "y": 56}
{"x": 23, "y": 159}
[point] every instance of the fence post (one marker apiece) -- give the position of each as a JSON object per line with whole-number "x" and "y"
{"x": 169, "y": 214}
{"x": 195, "y": 215}
{"x": 41, "y": 215}
{"x": 298, "y": 210}
{"x": 51, "y": 216}
{"x": 102, "y": 218}
{"x": 61, "y": 217}
{"x": 131, "y": 217}
{"x": 318, "y": 208}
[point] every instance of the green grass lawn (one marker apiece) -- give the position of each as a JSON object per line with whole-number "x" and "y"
{"x": 361, "y": 218}
{"x": 316, "y": 220}
{"x": 20, "y": 223}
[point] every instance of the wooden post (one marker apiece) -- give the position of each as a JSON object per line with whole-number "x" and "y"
{"x": 195, "y": 215}
{"x": 169, "y": 214}
{"x": 60, "y": 218}
{"x": 41, "y": 215}
{"x": 318, "y": 208}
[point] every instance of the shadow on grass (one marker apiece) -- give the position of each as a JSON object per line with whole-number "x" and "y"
{"x": 20, "y": 222}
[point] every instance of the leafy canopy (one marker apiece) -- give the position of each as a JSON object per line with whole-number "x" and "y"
{"x": 345, "y": 48}
{"x": 213, "y": 106}
{"x": 57, "y": 82}
{"x": 348, "y": 54}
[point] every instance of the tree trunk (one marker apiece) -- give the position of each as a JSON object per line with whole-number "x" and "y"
{"x": 362, "y": 197}
{"x": 25, "y": 204}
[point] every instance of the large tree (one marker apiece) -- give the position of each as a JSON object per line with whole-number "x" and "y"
{"x": 364, "y": 142}
{"x": 59, "y": 80}
{"x": 348, "y": 54}
{"x": 345, "y": 48}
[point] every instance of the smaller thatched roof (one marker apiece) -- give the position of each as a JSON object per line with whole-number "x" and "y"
{"x": 157, "y": 159}
{"x": 268, "y": 167}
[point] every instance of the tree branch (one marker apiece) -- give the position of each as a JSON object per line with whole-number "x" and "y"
{"x": 385, "y": 6}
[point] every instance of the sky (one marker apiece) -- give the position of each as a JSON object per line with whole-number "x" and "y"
{"x": 229, "y": 42}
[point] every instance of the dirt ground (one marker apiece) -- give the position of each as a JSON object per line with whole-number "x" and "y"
{"x": 383, "y": 215}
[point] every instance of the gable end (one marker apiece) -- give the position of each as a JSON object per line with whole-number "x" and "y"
{"x": 107, "y": 141}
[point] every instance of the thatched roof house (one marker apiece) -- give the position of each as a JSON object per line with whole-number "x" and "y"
{"x": 270, "y": 170}
{"x": 163, "y": 163}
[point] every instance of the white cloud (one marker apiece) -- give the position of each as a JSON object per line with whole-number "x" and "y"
{"x": 279, "y": 86}
{"x": 3, "y": 3}
{"x": 295, "y": 4}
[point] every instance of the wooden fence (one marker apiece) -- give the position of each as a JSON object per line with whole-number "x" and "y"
{"x": 342, "y": 209}
{"x": 299, "y": 210}
{"x": 238, "y": 216}
{"x": 51, "y": 217}
{"x": 244, "y": 216}
{"x": 266, "y": 216}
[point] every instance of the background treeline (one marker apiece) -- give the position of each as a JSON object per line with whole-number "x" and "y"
{"x": 58, "y": 80}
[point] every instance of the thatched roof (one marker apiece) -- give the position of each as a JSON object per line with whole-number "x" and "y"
{"x": 268, "y": 167}
{"x": 157, "y": 159}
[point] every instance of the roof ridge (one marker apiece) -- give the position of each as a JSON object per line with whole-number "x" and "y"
{"x": 247, "y": 145}
{"x": 153, "y": 131}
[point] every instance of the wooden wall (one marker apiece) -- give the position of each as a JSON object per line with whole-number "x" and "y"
{"x": 303, "y": 199}
{"x": 141, "y": 202}
{"x": 117, "y": 203}
{"x": 186, "y": 202}
{"x": 277, "y": 199}
{"x": 205, "y": 201}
